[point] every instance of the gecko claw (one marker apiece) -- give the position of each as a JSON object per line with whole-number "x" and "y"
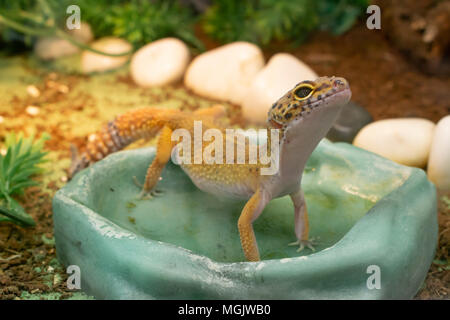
{"x": 304, "y": 243}
{"x": 146, "y": 194}
{"x": 136, "y": 182}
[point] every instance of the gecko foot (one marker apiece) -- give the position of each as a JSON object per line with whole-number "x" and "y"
{"x": 146, "y": 194}
{"x": 149, "y": 194}
{"x": 304, "y": 243}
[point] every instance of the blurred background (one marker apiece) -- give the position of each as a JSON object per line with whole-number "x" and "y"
{"x": 58, "y": 84}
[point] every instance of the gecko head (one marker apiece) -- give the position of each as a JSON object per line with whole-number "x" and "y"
{"x": 307, "y": 98}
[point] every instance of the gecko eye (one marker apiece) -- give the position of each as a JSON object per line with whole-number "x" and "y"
{"x": 303, "y": 92}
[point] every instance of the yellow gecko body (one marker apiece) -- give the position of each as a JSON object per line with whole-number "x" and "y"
{"x": 301, "y": 117}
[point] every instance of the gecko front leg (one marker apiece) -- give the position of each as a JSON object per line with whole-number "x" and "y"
{"x": 301, "y": 221}
{"x": 250, "y": 213}
{"x": 163, "y": 152}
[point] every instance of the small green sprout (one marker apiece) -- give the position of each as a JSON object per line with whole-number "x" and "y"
{"x": 20, "y": 162}
{"x": 446, "y": 201}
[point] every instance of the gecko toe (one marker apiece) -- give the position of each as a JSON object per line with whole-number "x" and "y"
{"x": 149, "y": 194}
{"x": 304, "y": 243}
{"x": 137, "y": 183}
{"x": 146, "y": 194}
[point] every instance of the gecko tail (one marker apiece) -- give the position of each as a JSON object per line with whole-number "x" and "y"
{"x": 215, "y": 112}
{"x": 78, "y": 162}
{"x": 133, "y": 125}
{"x": 118, "y": 134}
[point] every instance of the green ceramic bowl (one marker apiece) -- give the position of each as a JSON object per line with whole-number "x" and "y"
{"x": 376, "y": 222}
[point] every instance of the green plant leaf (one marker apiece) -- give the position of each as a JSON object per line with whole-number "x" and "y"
{"x": 262, "y": 21}
{"x": 19, "y": 187}
{"x": 16, "y": 213}
{"x": 17, "y": 167}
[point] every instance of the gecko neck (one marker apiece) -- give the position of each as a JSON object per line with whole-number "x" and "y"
{"x": 300, "y": 138}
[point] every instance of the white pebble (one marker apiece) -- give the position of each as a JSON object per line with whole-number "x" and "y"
{"x": 405, "y": 140}
{"x": 282, "y": 73}
{"x": 159, "y": 63}
{"x": 33, "y": 91}
{"x": 84, "y": 34}
{"x": 32, "y": 110}
{"x": 63, "y": 88}
{"x": 48, "y": 48}
{"x": 93, "y": 62}
{"x": 225, "y": 73}
{"x": 439, "y": 160}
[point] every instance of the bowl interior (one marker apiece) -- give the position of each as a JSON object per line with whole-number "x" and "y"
{"x": 338, "y": 193}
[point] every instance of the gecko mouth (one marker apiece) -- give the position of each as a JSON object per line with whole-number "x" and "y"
{"x": 275, "y": 124}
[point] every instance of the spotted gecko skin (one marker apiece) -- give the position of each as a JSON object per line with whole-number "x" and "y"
{"x": 302, "y": 116}
{"x": 146, "y": 123}
{"x": 119, "y": 133}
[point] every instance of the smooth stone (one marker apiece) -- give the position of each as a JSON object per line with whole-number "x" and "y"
{"x": 49, "y": 48}
{"x": 93, "y": 62}
{"x": 159, "y": 63}
{"x": 439, "y": 159}
{"x": 404, "y": 140}
{"x": 282, "y": 73}
{"x": 84, "y": 34}
{"x": 225, "y": 73}
{"x": 351, "y": 119}
{"x": 369, "y": 213}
